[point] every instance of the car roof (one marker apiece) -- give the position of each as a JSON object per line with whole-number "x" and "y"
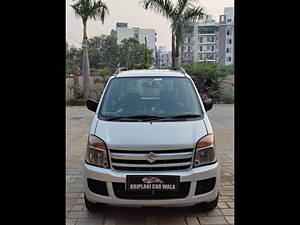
{"x": 154, "y": 73}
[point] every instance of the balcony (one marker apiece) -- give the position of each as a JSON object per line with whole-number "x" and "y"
{"x": 188, "y": 42}
{"x": 207, "y": 34}
{"x": 206, "y": 51}
{"x": 207, "y": 60}
{"x": 186, "y": 51}
{"x": 187, "y": 59}
{"x": 207, "y": 43}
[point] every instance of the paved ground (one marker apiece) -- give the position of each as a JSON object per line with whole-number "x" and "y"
{"x": 78, "y": 123}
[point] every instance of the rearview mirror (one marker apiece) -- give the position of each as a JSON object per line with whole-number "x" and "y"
{"x": 92, "y": 105}
{"x": 208, "y": 104}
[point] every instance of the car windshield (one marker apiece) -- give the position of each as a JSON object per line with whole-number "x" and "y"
{"x": 146, "y": 97}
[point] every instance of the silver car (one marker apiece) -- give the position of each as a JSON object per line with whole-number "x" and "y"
{"x": 151, "y": 143}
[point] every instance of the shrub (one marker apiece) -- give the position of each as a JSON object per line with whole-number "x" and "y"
{"x": 141, "y": 66}
{"x": 76, "y": 102}
{"x": 101, "y": 72}
{"x": 229, "y": 99}
{"x": 68, "y": 72}
{"x": 207, "y": 77}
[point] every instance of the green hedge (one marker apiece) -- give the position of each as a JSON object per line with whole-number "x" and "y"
{"x": 76, "y": 102}
{"x": 229, "y": 99}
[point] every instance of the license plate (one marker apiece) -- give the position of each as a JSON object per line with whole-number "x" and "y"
{"x": 152, "y": 183}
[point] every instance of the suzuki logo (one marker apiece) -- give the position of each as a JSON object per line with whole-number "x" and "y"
{"x": 151, "y": 157}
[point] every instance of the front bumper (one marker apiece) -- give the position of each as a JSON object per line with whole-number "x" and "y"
{"x": 192, "y": 175}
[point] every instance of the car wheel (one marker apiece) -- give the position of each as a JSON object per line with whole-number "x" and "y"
{"x": 207, "y": 206}
{"x": 91, "y": 206}
{"x": 211, "y": 205}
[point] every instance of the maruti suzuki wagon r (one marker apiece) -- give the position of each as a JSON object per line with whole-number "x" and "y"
{"x": 151, "y": 143}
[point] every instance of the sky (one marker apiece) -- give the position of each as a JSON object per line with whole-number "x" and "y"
{"x": 130, "y": 11}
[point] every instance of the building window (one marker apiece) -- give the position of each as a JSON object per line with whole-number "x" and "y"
{"x": 222, "y": 18}
{"x": 229, "y": 59}
{"x": 228, "y": 50}
{"x": 211, "y": 57}
{"x": 199, "y": 56}
{"x": 200, "y": 48}
{"x": 206, "y": 30}
{"x": 200, "y": 39}
{"x": 228, "y": 32}
{"x": 189, "y": 30}
{"x": 229, "y": 41}
{"x": 136, "y": 36}
{"x": 228, "y": 20}
{"x": 210, "y": 39}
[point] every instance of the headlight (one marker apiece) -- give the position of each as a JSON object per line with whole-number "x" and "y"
{"x": 96, "y": 152}
{"x": 205, "y": 151}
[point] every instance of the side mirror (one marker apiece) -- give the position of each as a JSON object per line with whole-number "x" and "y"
{"x": 208, "y": 104}
{"x": 92, "y": 105}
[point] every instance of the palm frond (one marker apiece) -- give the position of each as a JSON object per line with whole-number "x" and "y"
{"x": 164, "y": 7}
{"x": 99, "y": 10}
{"x": 181, "y": 4}
{"x": 193, "y": 14}
{"x": 90, "y": 9}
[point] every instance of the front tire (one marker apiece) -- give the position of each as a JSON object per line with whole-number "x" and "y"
{"x": 91, "y": 206}
{"x": 211, "y": 205}
{"x": 208, "y": 206}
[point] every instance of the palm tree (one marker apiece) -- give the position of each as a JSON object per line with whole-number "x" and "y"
{"x": 88, "y": 9}
{"x": 180, "y": 15}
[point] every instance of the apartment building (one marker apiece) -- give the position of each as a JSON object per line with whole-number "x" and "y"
{"x": 226, "y": 37}
{"x": 122, "y": 31}
{"x": 210, "y": 40}
{"x": 163, "y": 57}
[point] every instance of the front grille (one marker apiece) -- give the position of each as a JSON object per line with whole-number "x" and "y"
{"x": 163, "y": 160}
{"x": 120, "y": 192}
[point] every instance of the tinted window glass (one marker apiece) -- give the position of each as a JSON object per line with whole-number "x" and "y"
{"x": 154, "y": 96}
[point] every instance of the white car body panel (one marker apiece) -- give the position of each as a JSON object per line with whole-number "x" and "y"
{"x": 154, "y": 135}
{"x": 150, "y": 135}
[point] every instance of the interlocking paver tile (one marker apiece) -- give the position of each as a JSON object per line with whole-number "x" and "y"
{"x": 167, "y": 220}
{"x": 78, "y": 124}
{"x": 222, "y": 205}
{"x": 230, "y": 204}
{"x": 78, "y": 215}
{"x": 71, "y": 222}
{"x": 230, "y": 219}
{"x": 89, "y": 222}
{"x": 228, "y": 212}
{"x": 78, "y": 207}
{"x": 110, "y": 221}
{"x": 214, "y": 212}
{"x": 214, "y": 220}
{"x": 191, "y": 220}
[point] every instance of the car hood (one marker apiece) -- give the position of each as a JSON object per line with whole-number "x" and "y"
{"x": 150, "y": 136}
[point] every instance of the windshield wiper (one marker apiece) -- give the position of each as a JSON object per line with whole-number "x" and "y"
{"x": 187, "y": 116}
{"x": 149, "y": 118}
{"x": 142, "y": 117}
{"x": 183, "y": 116}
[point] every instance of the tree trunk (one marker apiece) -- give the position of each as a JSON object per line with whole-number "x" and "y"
{"x": 85, "y": 64}
{"x": 76, "y": 73}
{"x": 173, "y": 49}
{"x": 84, "y": 30}
{"x": 177, "y": 53}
